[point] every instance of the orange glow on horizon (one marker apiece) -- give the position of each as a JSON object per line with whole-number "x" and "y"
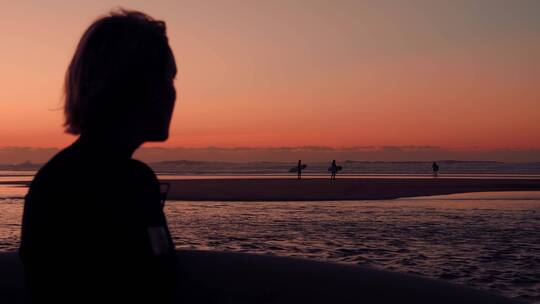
{"x": 269, "y": 75}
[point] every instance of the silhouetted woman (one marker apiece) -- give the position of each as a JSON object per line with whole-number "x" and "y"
{"x": 93, "y": 227}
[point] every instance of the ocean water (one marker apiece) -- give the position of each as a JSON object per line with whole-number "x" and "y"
{"x": 350, "y": 167}
{"x": 486, "y": 240}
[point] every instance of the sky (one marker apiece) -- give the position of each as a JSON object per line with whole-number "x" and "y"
{"x": 456, "y": 75}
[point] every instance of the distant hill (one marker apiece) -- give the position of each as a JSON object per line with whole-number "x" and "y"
{"x": 26, "y": 166}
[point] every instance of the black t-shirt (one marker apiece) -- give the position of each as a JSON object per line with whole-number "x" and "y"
{"x": 93, "y": 225}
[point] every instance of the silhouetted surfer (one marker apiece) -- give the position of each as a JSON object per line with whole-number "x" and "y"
{"x": 298, "y": 169}
{"x": 333, "y": 169}
{"x": 93, "y": 226}
{"x": 435, "y": 168}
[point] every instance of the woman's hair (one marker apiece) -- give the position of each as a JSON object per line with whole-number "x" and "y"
{"x": 118, "y": 69}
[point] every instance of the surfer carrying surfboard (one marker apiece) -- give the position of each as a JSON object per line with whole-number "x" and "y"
{"x": 334, "y": 169}
{"x": 298, "y": 169}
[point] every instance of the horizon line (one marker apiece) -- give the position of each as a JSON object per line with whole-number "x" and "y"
{"x": 312, "y": 147}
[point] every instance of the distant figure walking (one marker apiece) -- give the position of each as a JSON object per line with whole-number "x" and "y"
{"x": 435, "y": 167}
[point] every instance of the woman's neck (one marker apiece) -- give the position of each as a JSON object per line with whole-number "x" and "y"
{"x": 108, "y": 146}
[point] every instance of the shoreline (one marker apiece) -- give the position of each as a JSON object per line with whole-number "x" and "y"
{"x": 317, "y": 189}
{"x": 339, "y": 189}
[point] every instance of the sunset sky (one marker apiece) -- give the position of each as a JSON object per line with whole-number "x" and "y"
{"x": 451, "y": 74}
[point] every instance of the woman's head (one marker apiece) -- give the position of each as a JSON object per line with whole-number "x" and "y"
{"x": 120, "y": 80}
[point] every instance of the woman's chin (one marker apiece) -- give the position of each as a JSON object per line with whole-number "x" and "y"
{"x": 159, "y": 137}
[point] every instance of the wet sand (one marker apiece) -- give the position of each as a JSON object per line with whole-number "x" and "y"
{"x": 484, "y": 240}
{"x": 318, "y": 189}
{"x": 339, "y": 189}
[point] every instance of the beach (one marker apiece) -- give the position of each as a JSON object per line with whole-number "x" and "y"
{"x": 322, "y": 189}
{"x": 312, "y": 189}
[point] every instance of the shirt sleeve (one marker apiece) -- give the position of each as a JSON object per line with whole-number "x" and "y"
{"x": 154, "y": 219}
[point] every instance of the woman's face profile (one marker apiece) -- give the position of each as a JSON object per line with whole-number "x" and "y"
{"x": 120, "y": 82}
{"x": 152, "y": 119}
{"x": 157, "y": 118}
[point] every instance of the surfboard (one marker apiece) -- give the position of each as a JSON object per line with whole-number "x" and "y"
{"x": 295, "y": 168}
{"x": 231, "y": 277}
{"x": 338, "y": 168}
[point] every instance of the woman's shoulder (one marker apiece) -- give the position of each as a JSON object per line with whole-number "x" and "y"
{"x": 141, "y": 169}
{"x": 53, "y": 171}
{"x": 141, "y": 174}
